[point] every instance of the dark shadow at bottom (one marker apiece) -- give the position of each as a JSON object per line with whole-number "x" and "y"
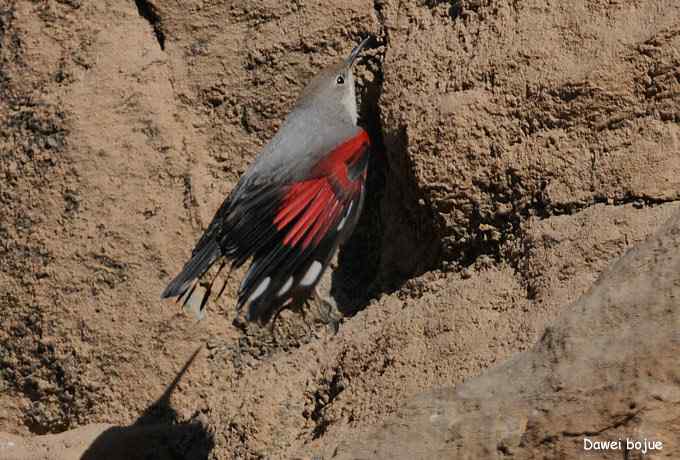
{"x": 155, "y": 435}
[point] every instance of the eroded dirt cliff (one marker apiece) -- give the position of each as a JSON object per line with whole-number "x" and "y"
{"x": 521, "y": 149}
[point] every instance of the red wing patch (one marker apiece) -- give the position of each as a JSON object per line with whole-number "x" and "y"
{"x": 290, "y": 231}
{"x": 306, "y": 223}
{"x": 311, "y": 207}
{"x": 336, "y": 164}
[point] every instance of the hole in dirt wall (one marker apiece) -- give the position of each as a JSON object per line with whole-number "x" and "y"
{"x": 395, "y": 238}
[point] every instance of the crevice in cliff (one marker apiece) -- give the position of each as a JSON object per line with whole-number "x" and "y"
{"x": 395, "y": 239}
{"x": 353, "y": 282}
{"x": 149, "y": 11}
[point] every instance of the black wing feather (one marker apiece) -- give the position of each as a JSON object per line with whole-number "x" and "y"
{"x": 244, "y": 227}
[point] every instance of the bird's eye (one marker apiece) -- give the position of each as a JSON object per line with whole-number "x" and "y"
{"x": 340, "y": 80}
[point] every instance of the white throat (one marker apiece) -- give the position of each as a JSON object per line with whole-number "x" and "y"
{"x": 349, "y": 102}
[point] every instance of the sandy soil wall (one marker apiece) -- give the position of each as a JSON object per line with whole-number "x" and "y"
{"x": 521, "y": 149}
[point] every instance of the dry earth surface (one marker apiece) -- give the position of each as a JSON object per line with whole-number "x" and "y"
{"x": 521, "y": 149}
{"x": 576, "y": 384}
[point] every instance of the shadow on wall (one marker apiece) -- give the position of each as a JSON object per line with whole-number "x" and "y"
{"x": 396, "y": 238}
{"x": 155, "y": 435}
{"x": 355, "y": 280}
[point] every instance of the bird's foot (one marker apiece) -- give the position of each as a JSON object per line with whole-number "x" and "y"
{"x": 328, "y": 312}
{"x": 311, "y": 333}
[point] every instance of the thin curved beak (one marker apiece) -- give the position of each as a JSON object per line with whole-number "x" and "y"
{"x": 355, "y": 52}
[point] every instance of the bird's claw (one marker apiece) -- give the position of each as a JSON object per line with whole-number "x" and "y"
{"x": 327, "y": 312}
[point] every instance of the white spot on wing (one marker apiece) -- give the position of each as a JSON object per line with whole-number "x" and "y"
{"x": 192, "y": 305}
{"x": 312, "y": 274}
{"x": 344, "y": 218}
{"x": 260, "y": 289}
{"x": 286, "y": 286}
{"x": 251, "y": 270}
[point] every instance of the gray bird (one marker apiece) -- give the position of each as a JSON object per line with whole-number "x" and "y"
{"x": 299, "y": 200}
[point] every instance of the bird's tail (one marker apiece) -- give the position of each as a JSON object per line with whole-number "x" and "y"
{"x": 185, "y": 283}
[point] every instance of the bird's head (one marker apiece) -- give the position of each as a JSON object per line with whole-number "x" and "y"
{"x": 331, "y": 92}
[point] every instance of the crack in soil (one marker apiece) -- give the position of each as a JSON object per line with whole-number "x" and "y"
{"x": 617, "y": 424}
{"x": 149, "y": 11}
